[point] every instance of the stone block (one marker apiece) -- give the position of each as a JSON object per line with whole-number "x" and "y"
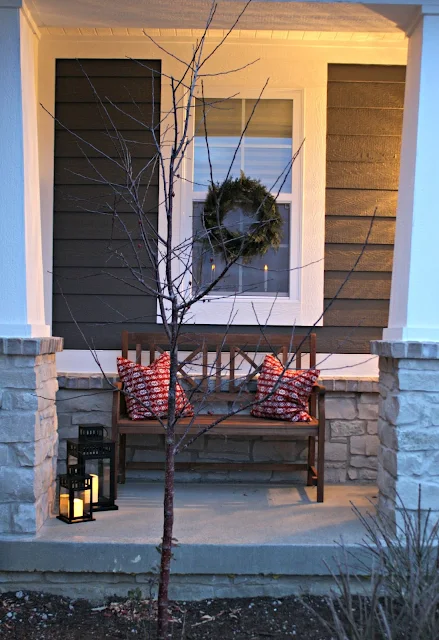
{"x": 83, "y": 400}
{"x": 340, "y": 428}
{"x": 228, "y": 445}
{"x": 5, "y": 518}
{"x": 335, "y": 474}
{"x": 368, "y": 411}
{"x": 417, "y": 463}
{"x": 418, "y": 380}
{"x": 5, "y": 455}
{"x": 337, "y": 407}
{"x": 386, "y": 483}
{"x": 15, "y": 400}
{"x": 224, "y": 456}
{"x": 388, "y": 459}
{"x": 362, "y": 475}
{"x": 24, "y": 518}
{"x": 387, "y": 434}
{"x": 364, "y": 445}
{"x": 17, "y": 426}
{"x": 90, "y": 417}
{"x": 417, "y": 439}
{"x": 336, "y": 452}
{"x": 364, "y": 462}
{"x": 408, "y": 489}
{"x": 251, "y": 476}
{"x": 17, "y": 484}
{"x": 277, "y": 451}
{"x": 15, "y": 378}
{"x": 29, "y": 454}
{"x": 372, "y": 427}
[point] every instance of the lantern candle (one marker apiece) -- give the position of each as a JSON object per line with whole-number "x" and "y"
{"x": 94, "y": 488}
{"x": 78, "y": 506}
{"x": 212, "y": 273}
{"x": 265, "y": 277}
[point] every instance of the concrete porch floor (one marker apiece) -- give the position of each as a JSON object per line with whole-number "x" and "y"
{"x": 231, "y": 538}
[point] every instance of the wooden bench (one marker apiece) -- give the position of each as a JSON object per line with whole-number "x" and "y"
{"x": 226, "y": 352}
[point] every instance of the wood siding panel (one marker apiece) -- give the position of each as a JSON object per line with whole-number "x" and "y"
{"x": 366, "y": 73}
{"x": 365, "y": 108}
{"x": 364, "y": 285}
{"x": 355, "y": 230}
{"x": 363, "y": 148}
{"x": 361, "y": 202}
{"x": 373, "y": 95}
{"x": 91, "y": 281}
{"x": 364, "y": 122}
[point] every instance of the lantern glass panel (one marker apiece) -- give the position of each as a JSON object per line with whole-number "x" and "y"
{"x": 75, "y": 497}
{"x": 96, "y": 458}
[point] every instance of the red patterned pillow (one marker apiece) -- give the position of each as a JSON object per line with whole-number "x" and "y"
{"x": 290, "y": 400}
{"x": 151, "y": 386}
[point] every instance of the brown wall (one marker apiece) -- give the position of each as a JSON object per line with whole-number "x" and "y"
{"x": 365, "y": 107}
{"x": 364, "y": 133}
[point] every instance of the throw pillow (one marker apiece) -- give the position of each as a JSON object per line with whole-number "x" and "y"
{"x": 150, "y": 385}
{"x": 290, "y": 399}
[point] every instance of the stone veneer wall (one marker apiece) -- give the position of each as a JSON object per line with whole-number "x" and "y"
{"x": 351, "y": 434}
{"x": 28, "y": 432}
{"x": 408, "y": 427}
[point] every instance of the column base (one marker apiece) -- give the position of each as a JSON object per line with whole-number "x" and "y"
{"x": 28, "y": 432}
{"x": 408, "y": 426}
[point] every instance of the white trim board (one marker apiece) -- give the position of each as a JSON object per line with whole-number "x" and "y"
{"x": 340, "y": 365}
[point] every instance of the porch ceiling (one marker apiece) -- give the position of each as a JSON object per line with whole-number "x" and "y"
{"x": 265, "y": 15}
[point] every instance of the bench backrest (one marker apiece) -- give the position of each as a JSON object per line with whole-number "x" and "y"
{"x": 226, "y": 349}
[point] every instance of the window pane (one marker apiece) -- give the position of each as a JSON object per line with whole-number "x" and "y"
{"x": 271, "y": 166}
{"x": 220, "y": 159}
{"x": 244, "y": 279}
{"x": 220, "y": 118}
{"x": 271, "y": 118}
{"x": 266, "y": 148}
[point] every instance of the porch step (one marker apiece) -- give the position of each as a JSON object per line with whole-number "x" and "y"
{"x": 233, "y": 540}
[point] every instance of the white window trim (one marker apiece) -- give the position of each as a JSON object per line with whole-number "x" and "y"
{"x": 304, "y": 305}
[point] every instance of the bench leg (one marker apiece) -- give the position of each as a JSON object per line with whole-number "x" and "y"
{"x": 320, "y": 469}
{"x": 311, "y": 460}
{"x": 122, "y": 457}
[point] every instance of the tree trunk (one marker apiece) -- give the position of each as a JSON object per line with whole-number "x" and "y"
{"x": 166, "y": 552}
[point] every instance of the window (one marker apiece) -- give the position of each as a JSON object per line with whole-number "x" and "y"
{"x": 265, "y": 153}
{"x": 269, "y": 289}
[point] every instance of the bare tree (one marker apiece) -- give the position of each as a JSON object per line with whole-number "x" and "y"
{"x": 162, "y": 266}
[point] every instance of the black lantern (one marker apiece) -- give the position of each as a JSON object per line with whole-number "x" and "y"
{"x": 75, "y": 496}
{"x": 95, "y": 456}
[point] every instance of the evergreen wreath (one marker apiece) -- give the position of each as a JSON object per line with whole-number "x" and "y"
{"x": 252, "y": 197}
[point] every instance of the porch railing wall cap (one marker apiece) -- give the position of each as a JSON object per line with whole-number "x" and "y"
{"x": 30, "y": 346}
{"x": 400, "y": 349}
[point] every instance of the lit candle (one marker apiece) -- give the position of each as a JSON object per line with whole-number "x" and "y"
{"x": 212, "y": 273}
{"x": 64, "y": 506}
{"x": 265, "y": 277}
{"x": 94, "y": 488}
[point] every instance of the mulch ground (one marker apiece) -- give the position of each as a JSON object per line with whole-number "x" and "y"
{"x": 34, "y": 616}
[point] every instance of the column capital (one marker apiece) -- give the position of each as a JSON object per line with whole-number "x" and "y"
{"x": 423, "y": 10}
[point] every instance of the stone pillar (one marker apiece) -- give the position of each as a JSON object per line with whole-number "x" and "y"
{"x": 408, "y": 425}
{"x": 28, "y": 432}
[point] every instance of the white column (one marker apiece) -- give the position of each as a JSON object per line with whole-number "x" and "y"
{"x": 21, "y": 266}
{"x": 414, "y": 303}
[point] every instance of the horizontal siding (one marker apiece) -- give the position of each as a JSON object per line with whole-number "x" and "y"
{"x": 91, "y": 285}
{"x": 365, "y": 108}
